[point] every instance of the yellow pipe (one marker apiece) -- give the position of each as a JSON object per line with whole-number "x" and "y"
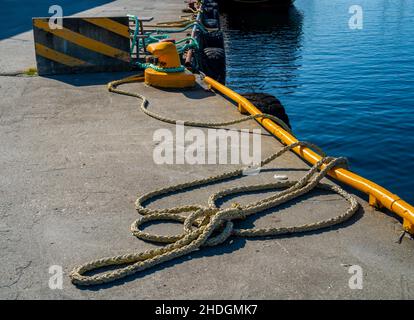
{"x": 378, "y": 196}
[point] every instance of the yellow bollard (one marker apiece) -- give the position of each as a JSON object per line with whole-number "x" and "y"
{"x": 168, "y": 58}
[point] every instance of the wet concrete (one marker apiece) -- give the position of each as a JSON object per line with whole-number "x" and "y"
{"x": 73, "y": 157}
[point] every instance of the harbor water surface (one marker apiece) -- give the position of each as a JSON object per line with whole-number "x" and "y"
{"x": 351, "y": 91}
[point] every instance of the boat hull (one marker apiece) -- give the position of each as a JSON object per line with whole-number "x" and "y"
{"x": 255, "y": 3}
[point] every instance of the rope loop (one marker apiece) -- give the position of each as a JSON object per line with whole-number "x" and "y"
{"x": 212, "y": 225}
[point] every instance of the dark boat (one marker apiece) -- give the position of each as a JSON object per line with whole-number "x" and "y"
{"x": 255, "y": 3}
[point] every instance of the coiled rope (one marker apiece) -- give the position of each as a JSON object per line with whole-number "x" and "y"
{"x": 211, "y": 225}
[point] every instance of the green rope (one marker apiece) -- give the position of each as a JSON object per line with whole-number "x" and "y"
{"x": 161, "y": 34}
{"x": 142, "y": 65}
{"x": 190, "y": 43}
{"x": 134, "y": 38}
{"x": 197, "y": 24}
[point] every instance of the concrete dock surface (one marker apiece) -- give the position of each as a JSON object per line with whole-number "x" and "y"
{"x": 73, "y": 158}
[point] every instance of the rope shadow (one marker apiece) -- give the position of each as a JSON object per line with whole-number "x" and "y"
{"x": 351, "y": 221}
{"x": 363, "y": 196}
{"x": 159, "y": 197}
{"x": 248, "y": 223}
{"x": 195, "y": 93}
{"x": 226, "y": 248}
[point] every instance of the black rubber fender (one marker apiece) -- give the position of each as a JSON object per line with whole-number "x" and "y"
{"x": 210, "y": 3}
{"x": 269, "y": 104}
{"x": 213, "y": 63}
{"x": 212, "y": 39}
{"x": 211, "y": 23}
{"x": 210, "y": 13}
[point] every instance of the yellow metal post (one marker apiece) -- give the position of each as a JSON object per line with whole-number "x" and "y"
{"x": 168, "y": 57}
{"x": 167, "y": 54}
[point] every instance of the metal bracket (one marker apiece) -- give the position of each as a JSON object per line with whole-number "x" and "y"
{"x": 374, "y": 202}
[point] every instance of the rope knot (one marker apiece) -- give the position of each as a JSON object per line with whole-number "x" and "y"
{"x": 209, "y": 226}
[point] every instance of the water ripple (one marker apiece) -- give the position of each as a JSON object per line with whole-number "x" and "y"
{"x": 350, "y": 91}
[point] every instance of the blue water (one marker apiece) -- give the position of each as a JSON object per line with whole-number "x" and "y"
{"x": 349, "y": 91}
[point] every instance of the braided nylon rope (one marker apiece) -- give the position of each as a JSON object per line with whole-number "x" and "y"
{"x": 160, "y": 69}
{"x": 201, "y": 221}
{"x": 112, "y": 85}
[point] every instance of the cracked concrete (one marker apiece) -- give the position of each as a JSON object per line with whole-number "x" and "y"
{"x": 73, "y": 157}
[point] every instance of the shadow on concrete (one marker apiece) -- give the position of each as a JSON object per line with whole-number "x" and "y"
{"x": 248, "y": 223}
{"x": 357, "y": 216}
{"x": 154, "y": 199}
{"x": 90, "y": 79}
{"x": 194, "y": 93}
{"x": 16, "y": 16}
{"x": 362, "y": 195}
{"x": 231, "y": 245}
{"x": 226, "y": 248}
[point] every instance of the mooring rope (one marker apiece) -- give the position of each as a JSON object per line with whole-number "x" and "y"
{"x": 143, "y": 106}
{"x": 211, "y": 225}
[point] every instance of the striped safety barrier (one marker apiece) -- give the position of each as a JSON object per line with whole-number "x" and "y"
{"x": 98, "y": 44}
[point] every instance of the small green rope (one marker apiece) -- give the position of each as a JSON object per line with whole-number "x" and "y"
{"x": 197, "y": 24}
{"x": 159, "y": 69}
{"x": 153, "y": 37}
{"x": 134, "y": 39}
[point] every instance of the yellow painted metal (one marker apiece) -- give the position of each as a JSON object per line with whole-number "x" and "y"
{"x": 58, "y": 56}
{"x": 167, "y": 56}
{"x": 183, "y": 79}
{"x": 378, "y": 196}
{"x": 110, "y": 25}
{"x": 83, "y": 41}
